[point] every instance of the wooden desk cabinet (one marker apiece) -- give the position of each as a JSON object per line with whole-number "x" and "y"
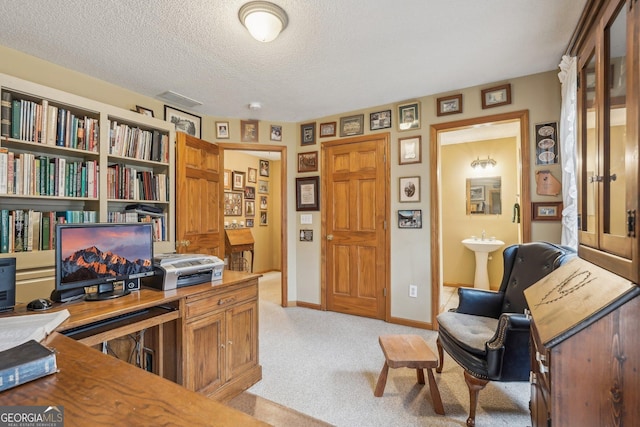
{"x": 220, "y": 350}
{"x": 585, "y": 348}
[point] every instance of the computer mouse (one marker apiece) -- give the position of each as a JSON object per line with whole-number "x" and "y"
{"x": 39, "y": 304}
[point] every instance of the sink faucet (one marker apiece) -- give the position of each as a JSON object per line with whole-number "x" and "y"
{"x": 483, "y": 234}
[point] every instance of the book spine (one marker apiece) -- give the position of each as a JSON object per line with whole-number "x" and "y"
{"x": 5, "y": 113}
{"x": 21, "y": 374}
{"x": 18, "y": 217}
{"x": 4, "y": 231}
{"x": 4, "y": 170}
{"x": 15, "y": 119}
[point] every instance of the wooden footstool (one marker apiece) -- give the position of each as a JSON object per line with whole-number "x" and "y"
{"x": 409, "y": 351}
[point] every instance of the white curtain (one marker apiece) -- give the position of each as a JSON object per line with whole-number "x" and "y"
{"x": 568, "y": 137}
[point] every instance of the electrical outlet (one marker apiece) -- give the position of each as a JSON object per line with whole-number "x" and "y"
{"x": 413, "y": 291}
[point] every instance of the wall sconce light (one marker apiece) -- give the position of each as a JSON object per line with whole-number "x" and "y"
{"x": 477, "y": 163}
{"x": 264, "y": 20}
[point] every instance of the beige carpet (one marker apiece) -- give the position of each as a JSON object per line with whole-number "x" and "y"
{"x": 326, "y": 365}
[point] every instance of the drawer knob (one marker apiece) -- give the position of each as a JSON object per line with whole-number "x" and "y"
{"x": 226, "y": 301}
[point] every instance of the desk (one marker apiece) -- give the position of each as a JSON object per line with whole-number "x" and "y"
{"x": 97, "y": 390}
{"x": 237, "y": 241}
{"x": 190, "y": 339}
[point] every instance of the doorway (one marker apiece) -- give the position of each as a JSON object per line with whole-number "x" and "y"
{"x": 282, "y": 151}
{"x": 438, "y": 132}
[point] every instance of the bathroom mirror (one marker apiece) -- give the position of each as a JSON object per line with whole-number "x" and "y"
{"x": 484, "y": 196}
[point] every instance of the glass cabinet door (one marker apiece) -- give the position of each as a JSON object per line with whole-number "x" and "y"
{"x": 615, "y": 141}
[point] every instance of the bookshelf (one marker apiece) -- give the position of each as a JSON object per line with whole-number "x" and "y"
{"x": 63, "y": 155}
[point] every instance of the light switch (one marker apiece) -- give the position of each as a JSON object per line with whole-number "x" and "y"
{"x": 306, "y": 219}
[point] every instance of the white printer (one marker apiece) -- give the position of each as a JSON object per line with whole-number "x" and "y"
{"x": 179, "y": 270}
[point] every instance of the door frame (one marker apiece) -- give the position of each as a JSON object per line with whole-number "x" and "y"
{"x": 525, "y": 190}
{"x": 224, "y": 146}
{"x": 323, "y": 205}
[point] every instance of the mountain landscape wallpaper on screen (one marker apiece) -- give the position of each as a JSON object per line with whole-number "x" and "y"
{"x": 92, "y": 263}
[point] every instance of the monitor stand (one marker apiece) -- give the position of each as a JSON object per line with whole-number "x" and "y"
{"x": 107, "y": 291}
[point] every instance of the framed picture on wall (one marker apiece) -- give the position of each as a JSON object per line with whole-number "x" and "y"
{"x": 410, "y": 218}
{"x": 249, "y": 193}
{"x": 308, "y": 162}
{"x": 249, "y": 130}
{"x": 227, "y": 179}
{"x": 250, "y": 208}
{"x": 327, "y": 129}
{"x": 409, "y": 116}
{"x": 222, "y": 130}
{"x": 380, "y": 120}
{"x": 496, "y": 96}
{"x": 410, "y": 150}
{"x": 252, "y": 175}
{"x": 183, "y": 121}
{"x": 264, "y": 167}
{"x": 308, "y": 134}
{"x": 276, "y": 133}
{"x": 352, "y": 125}
{"x": 238, "y": 181}
{"x": 449, "y": 105}
{"x": 263, "y": 186}
{"x": 307, "y": 196}
{"x": 546, "y": 211}
{"x": 264, "y": 218}
{"x": 232, "y": 204}
{"x": 409, "y": 190}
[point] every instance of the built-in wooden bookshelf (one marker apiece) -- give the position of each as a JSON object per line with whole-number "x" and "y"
{"x": 68, "y": 158}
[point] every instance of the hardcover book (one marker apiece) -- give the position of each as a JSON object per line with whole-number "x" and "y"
{"x": 25, "y": 362}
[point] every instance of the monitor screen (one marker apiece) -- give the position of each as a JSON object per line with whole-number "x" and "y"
{"x": 102, "y": 255}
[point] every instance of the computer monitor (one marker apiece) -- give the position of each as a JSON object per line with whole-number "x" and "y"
{"x": 103, "y": 256}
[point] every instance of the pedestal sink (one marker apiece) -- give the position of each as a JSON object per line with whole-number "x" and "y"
{"x": 482, "y": 248}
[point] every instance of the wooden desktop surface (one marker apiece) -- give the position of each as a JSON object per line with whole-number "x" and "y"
{"x": 96, "y": 389}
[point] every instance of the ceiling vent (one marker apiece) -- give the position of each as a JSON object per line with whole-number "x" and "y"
{"x": 176, "y": 98}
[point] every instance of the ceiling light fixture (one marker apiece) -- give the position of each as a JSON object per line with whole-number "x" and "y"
{"x": 483, "y": 163}
{"x": 263, "y": 19}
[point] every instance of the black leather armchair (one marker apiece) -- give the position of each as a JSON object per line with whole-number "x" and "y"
{"x": 488, "y": 334}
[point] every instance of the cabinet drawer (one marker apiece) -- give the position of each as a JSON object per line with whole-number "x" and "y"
{"x": 220, "y": 301}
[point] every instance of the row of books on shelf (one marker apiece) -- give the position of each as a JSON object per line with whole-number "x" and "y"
{"x": 27, "y": 174}
{"x": 23, "y": 230}
{"x": 48, "y": 124}
{"x": 127, "y": 183}
{"x": 158, "y": 221}
{"x": 26, "y": 230}
{"x": 127, "y": 141}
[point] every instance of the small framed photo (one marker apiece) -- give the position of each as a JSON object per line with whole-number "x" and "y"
{"x": 308, "y": 134}
{"x": 409, "y": 189}
{"x": 263, "y": 186}
{"x": 410, "y": 150}
{"x": 327, "y": 129}
{"x": 410, "y": 218}
{"x": 222, "y": 130}
{"x": 249, "y": 130}
{"x": 232, "y": 204}
{"x": 252, "y": 175}
{"x": 263, "y": 202}
{"x": 306, "y": 235}
{"x": 308, "y": 162}
{"x": 496, "y": 96}
{"x": 449, "y": 105}
{"x": 276, "y": 133}
{"x": 264, "y": 167}
{"x": 238, "y": 181}
{"x": 352, "y": 125}
{"x": 546, "y": 211}
{"x": 380, "y": 120}
{"x": 547, "y": 143}
{"x": 307, "y": 198}
{"x": 409, "y": 116}
{"x": 264, "y": 219}
{"x": 476, "y": 193}
{"x": 145, "y": 111}
{"x": 227, "y": 179}
{"x": 250, "y": 208}
{"x": 249, "y": 193}
{"x": 183, "y": 121}
{"x": 249, "y": 222}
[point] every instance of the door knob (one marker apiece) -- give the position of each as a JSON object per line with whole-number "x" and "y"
{"x": 329, "y": 236}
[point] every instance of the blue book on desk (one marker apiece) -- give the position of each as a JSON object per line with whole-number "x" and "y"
{"x": 25, "y": 362}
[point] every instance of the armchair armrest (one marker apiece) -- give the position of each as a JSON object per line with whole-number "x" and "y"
{"x": 508, "y": 357}
{"x": 479, "y": 302}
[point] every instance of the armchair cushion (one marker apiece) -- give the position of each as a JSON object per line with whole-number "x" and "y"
{"x": 471, "y": 332}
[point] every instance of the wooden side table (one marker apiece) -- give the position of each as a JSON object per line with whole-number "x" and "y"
{"x": 409, "y": 351}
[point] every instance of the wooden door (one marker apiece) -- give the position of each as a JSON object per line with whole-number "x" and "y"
{"x": 242, "y": 339}
{"x": 198, "y": 195}
{"x": 355, "y": 222}
{"x": 204, "y": 353}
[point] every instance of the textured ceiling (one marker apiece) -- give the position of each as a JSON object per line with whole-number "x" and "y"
{"x": 335, "y": 56}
